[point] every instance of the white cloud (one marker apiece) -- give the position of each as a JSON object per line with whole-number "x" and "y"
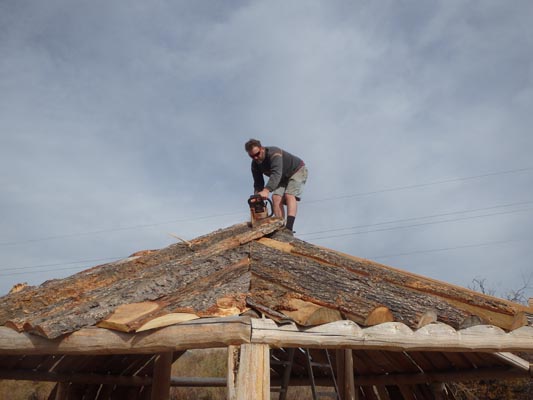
{"x": 115, "y": 116}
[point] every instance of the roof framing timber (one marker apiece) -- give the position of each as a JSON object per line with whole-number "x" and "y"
{"x": 221, "y": 332}
{"x": 393, "y": 336}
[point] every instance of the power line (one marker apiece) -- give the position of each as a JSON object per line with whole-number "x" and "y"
{"x": 323, "y": 237}
{"x": 50, "y": 270}
{"x": 447, "y": 248}
{"x": 64, "y": 263}
{"x": 126, "y": 228}
{"x": 420, "y": 224}
{"x": 451, "y": 180}
{"x": 144, "y": 226}
{"x": 419, "y": 218}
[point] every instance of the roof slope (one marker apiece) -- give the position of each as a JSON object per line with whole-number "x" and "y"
{"x": 242, "y": 269}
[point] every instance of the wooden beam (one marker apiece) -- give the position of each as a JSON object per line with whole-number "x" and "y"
{"x": 345, "y": 374}
{"x": 286, "y": 378}
{"x": 420, "y": 378}
{"x": 198, "y": 382}
{"x": 200, "y": 333}
{"x": 80, "y": 378}
{"x": 306, "y": 313}
{"x": 437, "y": 389}
{"x": 61, "y": 391}
{"x": 231, "y": 373}
{"x": 514, "y": 361}
{"x": 450, "y": 376}
{"x": 64, "y": 305}
{"x": 161, "y": 378}
{"x": 393, "y": 336}
{"x": 253, "y": 377}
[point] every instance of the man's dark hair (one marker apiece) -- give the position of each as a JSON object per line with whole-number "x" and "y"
{"x": 250, "y": 144}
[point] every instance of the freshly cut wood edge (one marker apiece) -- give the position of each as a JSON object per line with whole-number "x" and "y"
{"x": 264, "y": 310}
{"x": 520, "y": 319}
{"x": 123, "y": 316}
{"x": 513, "y": 360}
{"x": 222, "y": 312}
{"x": 15, "y": 325}
{"x": 505, "y": 321}
{"x": 167, "y": 320}
{"x": 281, "y": 246}
{"x": 226, "y": 306}
{"x": 429, "y": 317}
{"x": 379, "y": 315}
{"x": 307, "y": 313}
{"x": 270, "y": 225}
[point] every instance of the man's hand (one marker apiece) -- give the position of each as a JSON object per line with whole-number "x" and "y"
{"x": 264, "y": 193}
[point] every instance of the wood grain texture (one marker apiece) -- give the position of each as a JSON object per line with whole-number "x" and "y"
{"x": 62, "y": 306}
{"x": 200, "y": 333}
{"x": 240, "y": 269}
{"x": 393, "y": 336}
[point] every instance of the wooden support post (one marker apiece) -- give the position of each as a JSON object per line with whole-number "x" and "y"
{"x": 437, "y": 389}
{"x": 349, "y": 385}
{"x": 286, "y": 378}
{"x": 233, "y": 362}
{"x": 161, "y": 378}
{"x": 339, "y": 357}
{"x": 62, "y": 390}
{"x": 253, "y": 376}
{"x": 345, "y": 378}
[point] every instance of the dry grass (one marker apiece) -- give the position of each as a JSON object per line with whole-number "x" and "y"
{"x": 25, "y": 390}
{"x": 200, "y": 363}
{"x": 212, "y": 363}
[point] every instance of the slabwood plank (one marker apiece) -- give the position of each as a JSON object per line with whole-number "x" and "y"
{"x": 392, "y": 336}
{"x": 200, "y": 333}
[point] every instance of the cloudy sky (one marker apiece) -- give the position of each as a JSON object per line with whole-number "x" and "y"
{"x": 124, "y": 122}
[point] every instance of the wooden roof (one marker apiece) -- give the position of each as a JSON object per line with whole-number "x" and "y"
{"x": 243, "y": 285}
{"x": 238, "y": 270}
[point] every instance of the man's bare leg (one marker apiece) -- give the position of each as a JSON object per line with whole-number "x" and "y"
{"x": 277, "y": 205}
{"x": 292, "y": 208}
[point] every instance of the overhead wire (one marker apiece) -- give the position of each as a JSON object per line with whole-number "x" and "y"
{"x": 125, "y": 228}
{"x": 327, "y": 237}
{"x": 466, "y": 246}
{"x": 309, "y": 233}
{"x": 311, "y": 201}
{"x": 49, "y": 270}
{"x": 419, "y": 185}
{"x": 419, "y": 218}
{"x": 419, "y": 224}
{"x": 63, "y": 263}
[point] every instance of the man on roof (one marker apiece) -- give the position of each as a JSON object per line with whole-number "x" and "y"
{"x": 287, "y": 176}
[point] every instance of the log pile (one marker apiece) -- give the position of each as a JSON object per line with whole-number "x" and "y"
{"x": 244, "y": 270}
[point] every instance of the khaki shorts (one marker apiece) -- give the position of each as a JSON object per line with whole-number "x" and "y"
{"x": 295, "y": 184}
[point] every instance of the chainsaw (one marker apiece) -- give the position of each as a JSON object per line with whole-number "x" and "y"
{"x": 259, "y": 209}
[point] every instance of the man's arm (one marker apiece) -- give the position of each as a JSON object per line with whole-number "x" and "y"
{"x": 259, "y": 181}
